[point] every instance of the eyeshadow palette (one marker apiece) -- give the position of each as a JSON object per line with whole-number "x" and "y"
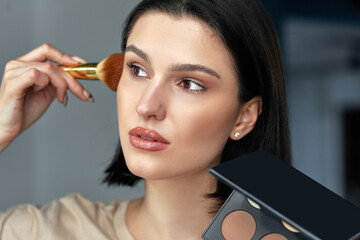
{"x": 274, "y": 201}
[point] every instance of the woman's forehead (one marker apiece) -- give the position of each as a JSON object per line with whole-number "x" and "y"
{"x": 163, "y": 32}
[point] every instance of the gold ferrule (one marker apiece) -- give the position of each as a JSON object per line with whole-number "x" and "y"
{"x": 82, "y": 71}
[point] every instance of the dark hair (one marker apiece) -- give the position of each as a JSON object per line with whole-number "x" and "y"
{"x": 250, "y": 37}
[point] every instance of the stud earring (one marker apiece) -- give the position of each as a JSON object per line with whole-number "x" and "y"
{"x": 237, "y": 134}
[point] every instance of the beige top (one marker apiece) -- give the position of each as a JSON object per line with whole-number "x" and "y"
{"x": 71, "y": 217}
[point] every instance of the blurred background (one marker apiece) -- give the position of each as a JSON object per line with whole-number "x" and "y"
{"x": 68, "y": 148}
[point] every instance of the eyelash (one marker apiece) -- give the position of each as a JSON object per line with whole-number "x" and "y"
{"x": 191, "y": 90}
{"x": 131, "y": 67}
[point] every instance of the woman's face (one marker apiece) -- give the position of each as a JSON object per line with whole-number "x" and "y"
{"x": 177, "y": 97}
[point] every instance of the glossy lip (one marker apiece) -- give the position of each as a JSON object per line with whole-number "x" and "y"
{"x": 147, "y": 139}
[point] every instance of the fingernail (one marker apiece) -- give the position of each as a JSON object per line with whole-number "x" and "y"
{"x": 89, "y": 96}
{"x": 65, "y": 100}
{"x": 78, "y": 59}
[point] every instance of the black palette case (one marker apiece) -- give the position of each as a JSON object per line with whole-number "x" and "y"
{"x": 282, "y": 201}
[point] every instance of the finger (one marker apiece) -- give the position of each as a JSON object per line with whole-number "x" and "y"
{"x": 30, "y": 78}
{"x": 74, "y": 86}
{"x": 62, "y": 81}
{"x": 48, "y": 52}
{"x": 14, "y": 65}
{"x": 55, "y": 77}
{"x": 41, "y": 82}
{"x": 15, "y": 68}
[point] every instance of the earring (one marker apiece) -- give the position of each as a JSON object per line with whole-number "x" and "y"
{"x": 237, "y": 134}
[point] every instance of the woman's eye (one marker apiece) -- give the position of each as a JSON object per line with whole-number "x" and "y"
{"x": 137, "y": 71}
{"x": 191, "y": 85}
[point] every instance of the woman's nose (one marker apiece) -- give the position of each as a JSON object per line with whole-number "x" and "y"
{"x": 153, "y": 102}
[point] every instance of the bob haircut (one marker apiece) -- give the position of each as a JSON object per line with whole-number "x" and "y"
{"x": 248, "y": 32}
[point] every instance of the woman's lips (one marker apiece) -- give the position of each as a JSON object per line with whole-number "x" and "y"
{"x": 147, "y": 139}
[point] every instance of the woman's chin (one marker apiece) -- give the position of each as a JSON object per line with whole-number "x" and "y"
{"x": 147, "y": 170}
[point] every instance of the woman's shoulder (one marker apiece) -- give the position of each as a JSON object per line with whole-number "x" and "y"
{"x": 70, "y": 217}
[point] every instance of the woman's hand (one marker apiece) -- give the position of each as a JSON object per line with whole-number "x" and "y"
{"x": 30, "y": 83}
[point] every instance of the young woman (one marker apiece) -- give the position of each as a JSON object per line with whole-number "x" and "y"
{"x": 202, "y": 84}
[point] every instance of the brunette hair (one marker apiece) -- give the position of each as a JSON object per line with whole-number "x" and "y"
{"x": 248, "y": 32}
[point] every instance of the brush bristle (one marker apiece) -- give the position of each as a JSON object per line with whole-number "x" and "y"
{"x": 109, "y": 70}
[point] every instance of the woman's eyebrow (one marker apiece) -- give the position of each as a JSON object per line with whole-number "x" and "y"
{"x": 176, "y": 67}
{"x": 139, "y": 52}
{"x": 193, "y": 68}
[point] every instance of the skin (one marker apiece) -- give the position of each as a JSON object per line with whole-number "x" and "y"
{"x": 196, "y": 111}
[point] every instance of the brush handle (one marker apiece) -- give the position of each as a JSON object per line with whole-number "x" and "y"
{"x": 82, "y": 71}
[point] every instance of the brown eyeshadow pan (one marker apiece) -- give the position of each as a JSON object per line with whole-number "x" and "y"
{"x": 274, "y": 236}
{"x": 238, "y": 225}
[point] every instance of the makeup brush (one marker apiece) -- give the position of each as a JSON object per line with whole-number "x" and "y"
{"x": 108, "y": 71}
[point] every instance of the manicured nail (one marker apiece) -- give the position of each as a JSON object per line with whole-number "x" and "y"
{"x": 65, "y": 100}
{"x": 78, "y": 59}
{"x": 89, "y": 96}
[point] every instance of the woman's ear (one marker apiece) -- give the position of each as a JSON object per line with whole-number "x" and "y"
{"x": 247, "y": 118}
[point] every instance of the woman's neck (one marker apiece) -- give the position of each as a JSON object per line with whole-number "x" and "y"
{"x": 173, "y": 209}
